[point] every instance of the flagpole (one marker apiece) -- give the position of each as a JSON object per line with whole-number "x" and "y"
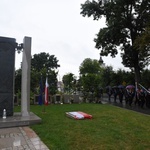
{"x": 44, "y": 104}
{"x": 144, "y": 88}
{"x": 43, "y": 109}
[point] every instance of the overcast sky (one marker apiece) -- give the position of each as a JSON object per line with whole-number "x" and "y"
{"x": 56, "y": 27}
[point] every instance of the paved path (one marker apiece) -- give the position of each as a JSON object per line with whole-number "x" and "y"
{"x": 20, "y": 138}
{"x": 133, "y": 107}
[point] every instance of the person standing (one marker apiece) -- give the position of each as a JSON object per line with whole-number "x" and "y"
{"x": 147, "y": 98}
{"x": 121, "y": 93}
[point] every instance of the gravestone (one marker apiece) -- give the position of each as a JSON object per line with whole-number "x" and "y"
{"x": 76, "y": 99}
{"x": 7, "y": 70}
{"x": 67, "y": 99}
{"x": 50, "y": 99}
{"x": 57, "y": 99}
{"x": 36, "y": 99}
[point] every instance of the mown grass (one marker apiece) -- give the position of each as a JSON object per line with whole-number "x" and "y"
{"x": 112, "y": 128}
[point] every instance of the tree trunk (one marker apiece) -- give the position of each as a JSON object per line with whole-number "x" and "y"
{"x": 137, "y": 74}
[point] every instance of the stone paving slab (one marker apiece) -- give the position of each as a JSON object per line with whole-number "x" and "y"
{"x": 18, "y": 120}
{"x": 20, "y": 138}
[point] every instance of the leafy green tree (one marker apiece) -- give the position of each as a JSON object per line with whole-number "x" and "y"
{"x": 89, "y": 66}
{"x": 107, "y": 76}
{"x": 146, "y": 78}
{"x": 35, "y": 81}
{"x": 124, "y": 77}
{"x": 42, "y": 65}
{"x": 44, "y": 60}
{"x": 91, "y": 82}
{"x": 90, "y": 76}
{"x": 142, "y": 42}
{"x": 69, "y": 82}
{"x": 52, "y": 81}
{"x": 117, "y": 78}
{"x": 18, "y": 74}
{"x": 45, "y": 64}
{"x": 126, "y": 20}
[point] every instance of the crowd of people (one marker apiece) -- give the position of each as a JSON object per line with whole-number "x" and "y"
{"x": 130, "y": 94}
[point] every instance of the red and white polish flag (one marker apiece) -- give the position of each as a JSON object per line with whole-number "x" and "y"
{"x": 46, "y": 92}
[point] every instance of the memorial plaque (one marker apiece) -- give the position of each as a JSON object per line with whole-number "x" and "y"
{"x": 36, "y": 99}
{"x": 76, "y": 99}
{"x": 50, "y": 99}
{"x": 57, "y": 99}
{"x": 67, "y": 99}
{"x": 7, "y": 70}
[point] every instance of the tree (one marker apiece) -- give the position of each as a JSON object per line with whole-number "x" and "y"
{"x": 125, "y": 77}
{"x": 142, "y": 42}
{"x": 91, "y": 82}
{"x": 89, "y": 66}
{"x": 52, "y": 81}
{"x": 126, "y": 20}
{"x": 42, "y": 65}
{"x": 18, "y": 80}
{"x": 44, "y": 60}
{"x": 146, "y": 78}
{"x": 107, "y": 76}
{"x": 46, "y": 64}
{"x": 69, "y": 82}
{"x": 90, "y": 76}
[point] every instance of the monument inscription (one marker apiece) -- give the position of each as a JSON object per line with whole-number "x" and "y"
{"x": 7, "y": 70}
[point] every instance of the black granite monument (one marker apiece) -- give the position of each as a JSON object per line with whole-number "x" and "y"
{"x": 7, "y": 70}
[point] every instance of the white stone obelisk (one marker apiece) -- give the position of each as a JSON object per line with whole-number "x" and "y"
{"x": 25, "y": 85}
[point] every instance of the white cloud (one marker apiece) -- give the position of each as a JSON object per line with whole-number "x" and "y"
{"x": 56, "y": 27}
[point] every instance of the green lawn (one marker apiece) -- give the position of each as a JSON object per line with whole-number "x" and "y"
{"x": 112, "y": 128}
